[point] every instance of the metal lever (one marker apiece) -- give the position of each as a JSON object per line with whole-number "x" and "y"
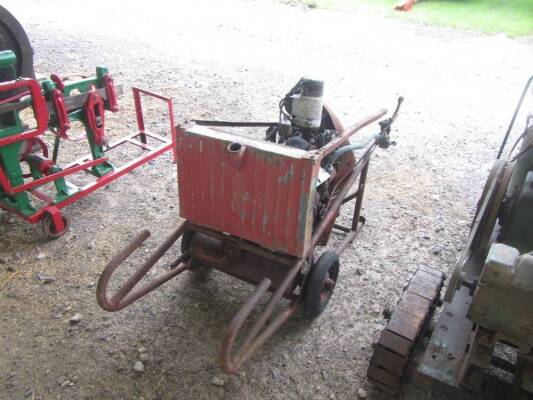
{"x": 126, "y": 295}
{"x": 395, "y": 114}
{"x": 383, "y": 139}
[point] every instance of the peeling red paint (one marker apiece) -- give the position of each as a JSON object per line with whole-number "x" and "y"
{"x": 265, "y": 198}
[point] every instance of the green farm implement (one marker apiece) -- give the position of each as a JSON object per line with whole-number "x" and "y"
{"x": 29, "y": 109}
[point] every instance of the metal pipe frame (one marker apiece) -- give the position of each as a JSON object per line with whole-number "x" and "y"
{"x": 86, "y": 162}
{"x": 126, "y": 295}
{"x": 40, "y": 111}
{"x": 236, "y": 124}
{"x": 232, "y": 359}
{"x": 140, "y": 116}
{"x": 258, "y": 333}
{"x": 46, "y": 179}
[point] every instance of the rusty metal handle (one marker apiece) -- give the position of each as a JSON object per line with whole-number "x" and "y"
{"x": 334, "y": 144}
{"x": 231, "y": 364}
{"x": 257, "y": 335}
{"x": 126, "y": 294}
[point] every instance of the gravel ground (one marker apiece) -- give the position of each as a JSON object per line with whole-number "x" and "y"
{"x": 234, "y": 60}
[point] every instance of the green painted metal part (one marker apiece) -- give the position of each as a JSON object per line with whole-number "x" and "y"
{"x": 81, "y": 86}
{"x": 12, "y": 157}
{"x": 8, "y": 60}
{"x": 11, "y": 124}
{"x": 504, "y": 290}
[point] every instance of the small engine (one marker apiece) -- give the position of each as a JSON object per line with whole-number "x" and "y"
{"x": 305, "y": 124}
{"x": 304, "y": 102}
{"x": 301, "y": 117}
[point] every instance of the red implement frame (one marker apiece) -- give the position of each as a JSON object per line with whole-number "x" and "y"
{"x": 200, "y": 242}
{"x": 83, "y": 164}
{"x": 38, "y": 104}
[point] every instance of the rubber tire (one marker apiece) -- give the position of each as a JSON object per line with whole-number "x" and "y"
{"x": 49, "y": 227}
{"x": 13, "y": 37}
{"x": 328, "y": 262}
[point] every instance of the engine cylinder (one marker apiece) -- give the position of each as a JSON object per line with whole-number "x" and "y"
{"x": 306, "y": 106}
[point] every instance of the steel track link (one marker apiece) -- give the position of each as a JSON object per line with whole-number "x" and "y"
{"x": 406, "y": 326}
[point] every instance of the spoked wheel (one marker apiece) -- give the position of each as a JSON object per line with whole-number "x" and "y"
{"x": 50, "y": 228}
{"x": 321, "y": 283}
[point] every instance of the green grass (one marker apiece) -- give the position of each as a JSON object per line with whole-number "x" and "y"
{"x": 512, "y": 17}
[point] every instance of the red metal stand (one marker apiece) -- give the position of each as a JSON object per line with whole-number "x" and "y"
{"x": 85, "y": 163}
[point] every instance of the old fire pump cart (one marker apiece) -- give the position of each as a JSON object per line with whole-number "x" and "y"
{"x": 258, "y": 209}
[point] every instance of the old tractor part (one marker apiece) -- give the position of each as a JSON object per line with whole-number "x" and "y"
{"x": 32, "y": 111}
{"x": 258, "y": 210}
{"x": 13, "y": 37}
{"x": 407, "y": 324}
{"x": 487, "y": 305}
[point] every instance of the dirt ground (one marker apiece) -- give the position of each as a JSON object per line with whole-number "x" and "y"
{"x": 234, "y": 60}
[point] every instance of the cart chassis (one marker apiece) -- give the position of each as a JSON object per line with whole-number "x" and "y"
{"x": 231, "y": 356}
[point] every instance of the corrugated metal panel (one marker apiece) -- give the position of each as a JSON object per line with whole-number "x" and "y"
{"x": 266, "y": 198}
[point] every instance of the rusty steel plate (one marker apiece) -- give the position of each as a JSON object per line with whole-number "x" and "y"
{"x": 384, "y": 380}
{"x": 425, "y": 292}
{"x": 391, "y": 340}
{"x": 405, "y": 324}
{"x": 442, "y": 360}
{"x": 412, "y": 302}
{"x": 392, "y": 362}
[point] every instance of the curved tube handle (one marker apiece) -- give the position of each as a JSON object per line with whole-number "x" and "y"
{"x": 258, "y": 333}
{"x": 231, "y": 364}
{"x": 383, "y": 138}
{"x": 126, "y": 295}
{"x": 339, "y": 141}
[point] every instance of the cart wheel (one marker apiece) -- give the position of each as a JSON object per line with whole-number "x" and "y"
{"x": 320, "y": 283}
{"x": 50, "y": 228}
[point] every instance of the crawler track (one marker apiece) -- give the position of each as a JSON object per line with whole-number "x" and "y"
{"x": 406, "y": 326}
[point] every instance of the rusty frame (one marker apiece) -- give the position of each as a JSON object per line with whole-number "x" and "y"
{"x": 258, "y": 333}
{"x": 232, "y": 357}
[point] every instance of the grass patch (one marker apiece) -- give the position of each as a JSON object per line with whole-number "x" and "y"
{"x": 512, "y": 17}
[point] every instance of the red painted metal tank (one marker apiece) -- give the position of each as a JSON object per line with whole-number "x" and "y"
{"x": 252, "y": 189}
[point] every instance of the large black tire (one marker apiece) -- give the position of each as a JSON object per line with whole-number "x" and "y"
{"x": 13, "y": 37}
{"x": 320, "y": 283}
